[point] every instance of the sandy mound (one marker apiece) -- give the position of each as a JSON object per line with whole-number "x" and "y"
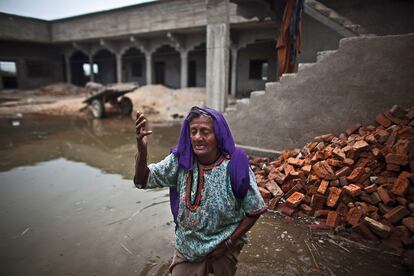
{"x": 160, "y": 103}
{"x": 60, "y": 89}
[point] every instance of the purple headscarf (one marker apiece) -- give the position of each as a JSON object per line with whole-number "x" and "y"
{"x": 238, "y": 167}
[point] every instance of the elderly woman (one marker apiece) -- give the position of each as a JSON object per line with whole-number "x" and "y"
{"x": 213, "y": 192}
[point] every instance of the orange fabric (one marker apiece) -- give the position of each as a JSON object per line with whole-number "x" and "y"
{"x": 285, "y": 64}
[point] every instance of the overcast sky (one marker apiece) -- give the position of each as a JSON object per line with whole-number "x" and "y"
{"x": 55, "y": 9}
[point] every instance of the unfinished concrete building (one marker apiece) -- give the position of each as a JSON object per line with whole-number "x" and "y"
{"x": 226, "y": 46}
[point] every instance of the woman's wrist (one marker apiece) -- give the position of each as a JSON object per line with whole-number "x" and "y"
{"x": 229, "y": 243}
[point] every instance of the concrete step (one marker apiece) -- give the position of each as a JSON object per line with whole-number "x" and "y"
{"x": 324, "y": 54}
{"x": 257, "y": 94}
{"x": 305, "y": 66}
{"x": 287, "y": 78}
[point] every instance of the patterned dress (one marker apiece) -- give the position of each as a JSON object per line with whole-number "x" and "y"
{"x": 208, "y": 210}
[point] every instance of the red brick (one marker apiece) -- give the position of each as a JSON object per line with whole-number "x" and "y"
{"x": 339, "y": 153}
{"x": 343, "y": 181}
{"x": 306, "y": 209}
{"x": 363, "y": 230}
{"x": 317, "y": 201}
{"x": 321, "y": 213}
{"x": 397, "y": 111}
{"x": 273, "y": 202}
{"x": 290, "y": 153}
{"x": 371, "y": 188}
{"x": 273, "y": 188}
{"x": 352, "y": 129}
{"x": 378, "y": 228}
{"x": 401, "y": 185}
{"x": 307, "y": 169}
{"x": 355, "y": 174}
{"x": 409, "y": 223}
{"x": 345, "y": 171}
{"x": 394, "y": 119}
{"x": 333, "y": 197}
{"x": 408, "y": 175}
{"x": 397, "y": 159}
{"x": 265, "y": 193}
{"x": 332, "y": 219}
{"x": 396, "y": 214}
{"x": 323, "y": 170}
{"x": 342, "y": 209}
{"x": 354, "y": 216}
{"x": 360, "y": 145}
{"x": 276, "y": 176}
{"x": 295, "y": 199}
{"x": 393, "y": 168}
{"x": 382, "y": 120}
{"x": 334, "y": 163}
{"x": 385, "y": 197}
{"x": 371, "y": 138}
{"x": 323, "y": 187}
{"x": 295, "y": 162}
{"x": 285, "y": 209}
{"x": 352, "y": 190}
{"x": 295, "y": 188}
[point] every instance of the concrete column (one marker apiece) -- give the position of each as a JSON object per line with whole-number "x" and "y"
{"x": 148, "y": 63}
{"x": 184, "y": 68}
{"x": 118, "y": 67}
{"x": 234, "y": 56}
{"x": 68, "y": 69}
{"x": 218, "y": 42}
{"x": 92, "y": 75}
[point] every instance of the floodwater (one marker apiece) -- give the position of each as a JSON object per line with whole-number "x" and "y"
{"x": 68, "y": 207}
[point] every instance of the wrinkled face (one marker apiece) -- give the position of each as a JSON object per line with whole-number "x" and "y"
{"x": 203, "y": 139}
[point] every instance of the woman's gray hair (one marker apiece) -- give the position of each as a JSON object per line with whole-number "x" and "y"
{"x": 196, "y": 112}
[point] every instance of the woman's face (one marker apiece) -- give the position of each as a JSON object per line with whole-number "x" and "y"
{"x": 203, "y": 139}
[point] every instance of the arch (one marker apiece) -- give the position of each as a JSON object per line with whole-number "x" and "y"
{"x": 106, "y": 65}
{"x": 167, "y": 66}
{"x": 133, "y": 65}
{"x": 197, "y": 65}
{"x": 76, "y": 64}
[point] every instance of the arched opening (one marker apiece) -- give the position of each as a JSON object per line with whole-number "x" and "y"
{"x": 256, "y": 65}
{"x": 79, "y": 64}
{"x": 197, "y": 66}
{"x": 166, "y": 61}
{"x": 133, "y": 66}
{"x": 106, "y": 67}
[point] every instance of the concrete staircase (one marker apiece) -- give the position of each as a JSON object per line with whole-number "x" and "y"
{"x": 366, "y": 75}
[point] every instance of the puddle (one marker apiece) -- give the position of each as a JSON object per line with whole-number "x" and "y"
{"x": 68, "y": 207}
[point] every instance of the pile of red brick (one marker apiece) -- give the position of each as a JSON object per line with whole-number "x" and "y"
{"x": 361, "y": 179}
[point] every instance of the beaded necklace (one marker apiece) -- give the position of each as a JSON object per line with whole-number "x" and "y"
{"x": 193, "y": 205}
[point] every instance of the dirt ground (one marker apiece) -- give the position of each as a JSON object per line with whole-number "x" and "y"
{"x": 158, "y": 102}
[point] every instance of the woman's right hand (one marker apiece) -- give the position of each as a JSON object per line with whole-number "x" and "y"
{"x": 140, "y": 131}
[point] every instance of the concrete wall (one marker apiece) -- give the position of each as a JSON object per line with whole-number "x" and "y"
{"x": 381, "y": 17}
{"x": 316, "y": 37}
{"x": 21, "y": 52}
{"x": 172, "y": 68}
{"x": 257, "y": 51}
{"x": 144, "y": 18}
{"x": 366, "y": 76}
{"x": 13, "y": 27}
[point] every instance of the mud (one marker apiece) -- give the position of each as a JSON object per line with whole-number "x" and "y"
{"x": 68, "y": 207}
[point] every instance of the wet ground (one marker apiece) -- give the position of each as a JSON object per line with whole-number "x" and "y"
{"x": 68, "y": 207}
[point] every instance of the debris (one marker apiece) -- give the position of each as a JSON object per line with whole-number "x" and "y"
{"x": 361, "y": 180}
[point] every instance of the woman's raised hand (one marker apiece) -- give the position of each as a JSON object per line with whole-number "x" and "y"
{"x": 140, "y": 131}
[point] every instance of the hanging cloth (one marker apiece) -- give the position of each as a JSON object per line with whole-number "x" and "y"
{"x": 289, "y": 40}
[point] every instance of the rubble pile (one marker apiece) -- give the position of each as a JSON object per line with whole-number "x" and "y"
{"x": 360, "y": 181}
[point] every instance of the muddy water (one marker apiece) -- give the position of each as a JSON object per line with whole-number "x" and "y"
{"x": 68, "y": 207}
